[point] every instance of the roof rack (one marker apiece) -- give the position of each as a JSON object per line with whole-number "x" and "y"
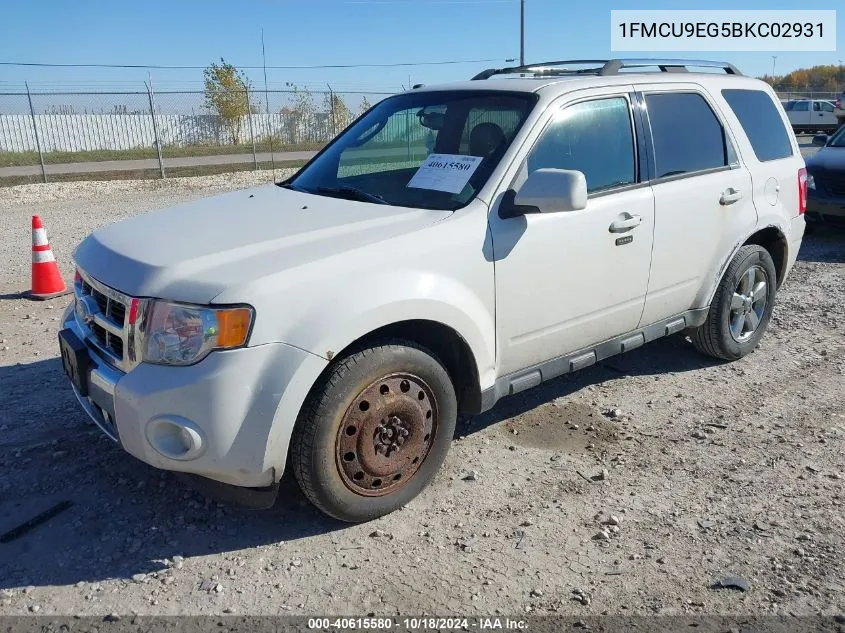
{"x": 607, "y": 67}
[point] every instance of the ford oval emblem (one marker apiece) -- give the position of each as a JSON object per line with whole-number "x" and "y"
{"x": 86, "y": 308}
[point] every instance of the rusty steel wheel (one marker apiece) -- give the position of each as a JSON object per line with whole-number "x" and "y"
{"x": 374, "y": 431}
{"x": 386, "y": 434}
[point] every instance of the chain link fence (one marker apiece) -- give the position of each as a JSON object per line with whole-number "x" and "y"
{"x": 137, "y": 134}
{"x": 787, "y": 95}
{"x": 81, "y": 135}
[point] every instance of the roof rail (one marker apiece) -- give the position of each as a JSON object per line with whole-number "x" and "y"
{"x": 606, "y": 67}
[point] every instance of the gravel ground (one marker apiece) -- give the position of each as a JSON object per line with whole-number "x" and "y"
{"x": 629, "y": 488}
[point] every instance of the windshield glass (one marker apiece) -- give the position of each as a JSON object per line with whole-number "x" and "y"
{"x": 838, "y": 139}
{"x": 430, "y": 150}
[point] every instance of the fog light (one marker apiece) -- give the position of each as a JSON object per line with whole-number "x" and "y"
{"x": 175, "y": 437}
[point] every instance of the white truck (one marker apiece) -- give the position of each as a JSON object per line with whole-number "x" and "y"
{"x": 336, "y": 323}
{"x": 812, "y": 116}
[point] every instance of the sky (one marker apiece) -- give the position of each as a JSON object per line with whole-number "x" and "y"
{"x": 193, "y": 33}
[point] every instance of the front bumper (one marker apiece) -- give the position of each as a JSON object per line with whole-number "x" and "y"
{"x": 227, "y": 406}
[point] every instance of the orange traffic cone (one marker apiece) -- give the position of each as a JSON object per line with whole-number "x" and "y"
{"x": 47, "y": 282}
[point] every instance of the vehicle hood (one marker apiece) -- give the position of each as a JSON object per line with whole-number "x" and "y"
{"x": 828, "y": 159}
{"x": 192, "y": 252}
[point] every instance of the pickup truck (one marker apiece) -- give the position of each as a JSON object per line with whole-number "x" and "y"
{"x": 812, "y": 116}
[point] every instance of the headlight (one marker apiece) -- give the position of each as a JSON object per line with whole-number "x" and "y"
{"x": 179, "y": 334}
{"x": 811, "y": 182}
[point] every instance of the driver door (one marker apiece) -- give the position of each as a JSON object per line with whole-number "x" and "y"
{"x": 568, "y": 280}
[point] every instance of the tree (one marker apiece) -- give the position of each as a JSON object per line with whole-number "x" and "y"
{"x": 302, "y": 112}
{"x": 365, "y": 105}
{"x": 226, "y": 94}
{"x": 338, "y": 112}
{"x": 828, "y": 78}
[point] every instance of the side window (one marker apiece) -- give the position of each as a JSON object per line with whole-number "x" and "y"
{"x": 687, "y": 135}
{"x": 817, "y": 106}
{"x": 761, "y": 122}
{"x": 593, "y": 137}
{"x": 827, "y": 107}
{"x": 801, "y": 106}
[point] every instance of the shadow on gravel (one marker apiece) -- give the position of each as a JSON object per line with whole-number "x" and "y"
{"x": 125, "y": 517}
{"x": 823, "y": 243}
{"x": 673, "y": 354}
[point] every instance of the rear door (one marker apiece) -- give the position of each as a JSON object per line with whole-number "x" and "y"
{"x": 702, "y": 196}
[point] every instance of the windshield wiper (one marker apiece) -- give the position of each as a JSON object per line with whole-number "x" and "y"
{"x": 352, "y": 193}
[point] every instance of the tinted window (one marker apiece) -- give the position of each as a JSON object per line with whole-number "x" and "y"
{"x": 762, "y": 123}
{"x": 593, "y": 137}
{"x": 687, "y": 135}
{"x": 801, "y": 106}
{"x": 817, "y": 106}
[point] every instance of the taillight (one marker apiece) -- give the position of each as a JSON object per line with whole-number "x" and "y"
{"x": 838, "y": 103}
{"x": 802, "y": 190}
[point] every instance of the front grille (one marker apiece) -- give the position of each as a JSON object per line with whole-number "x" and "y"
{"x": 834, "y": 184}
{"x": 108, "y": 340}
{"x": 113, "y": 309}
{"x": 105, "y": 324}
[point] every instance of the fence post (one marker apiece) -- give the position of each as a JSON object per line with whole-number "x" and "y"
{"x": 155, "y": 127}
{"x": 331, "y": 107}
{"x": 251, "y": 132}
{"x": 37, "y": 138}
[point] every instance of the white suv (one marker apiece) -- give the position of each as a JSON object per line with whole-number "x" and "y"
{"x": 454, "y": 245}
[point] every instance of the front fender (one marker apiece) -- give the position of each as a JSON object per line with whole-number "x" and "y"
{"x": 333, "y": 324}
{"x": 328, "y": 327}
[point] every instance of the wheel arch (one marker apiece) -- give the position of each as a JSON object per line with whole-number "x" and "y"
{"x": 444, "y": 342}
{"x": 774, "y": 241}
{"x": 771, "y": 237}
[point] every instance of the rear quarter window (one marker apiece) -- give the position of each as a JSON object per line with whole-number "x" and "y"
{"x": 761, "y": 122}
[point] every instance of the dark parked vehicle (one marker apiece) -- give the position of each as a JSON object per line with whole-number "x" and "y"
{"x": 826, "y": 178}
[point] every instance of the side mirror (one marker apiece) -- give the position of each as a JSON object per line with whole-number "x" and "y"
{"x": 551, "y": 190}
{"x": 820, "y": 140}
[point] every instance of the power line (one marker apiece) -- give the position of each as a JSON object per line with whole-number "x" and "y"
{"x": 306, "y": 67}
{"x": 453, "y": 2}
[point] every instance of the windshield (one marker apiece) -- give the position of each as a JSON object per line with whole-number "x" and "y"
{"x": 430, "y": 150}
{"x": 838, "y": 139}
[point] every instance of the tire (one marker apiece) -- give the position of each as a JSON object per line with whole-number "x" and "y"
{"x": 730, "y": 332}
{"x": 374, "y": 431}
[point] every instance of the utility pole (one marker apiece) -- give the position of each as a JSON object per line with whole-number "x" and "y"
{"x": 774, "y": 60}
{"x": 522, "y": 32}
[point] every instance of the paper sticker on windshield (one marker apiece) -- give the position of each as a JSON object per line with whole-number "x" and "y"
{"x": 445, "y": 172}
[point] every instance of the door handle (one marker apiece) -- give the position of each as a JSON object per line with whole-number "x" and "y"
{"x": 729, "y": 196}
{"x": 630, "y": 222}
